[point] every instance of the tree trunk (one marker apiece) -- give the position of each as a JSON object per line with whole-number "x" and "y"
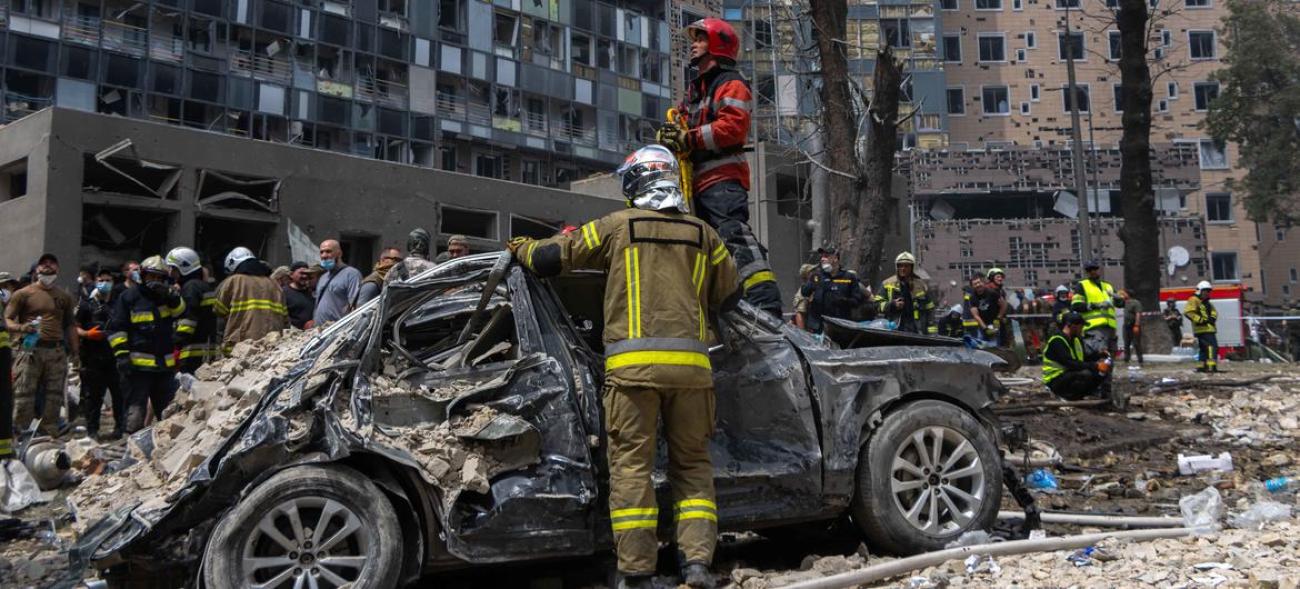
{"x": 1141, "y": 231}
{"x": 838, "y": 128}
{"x": 874, "y": 216}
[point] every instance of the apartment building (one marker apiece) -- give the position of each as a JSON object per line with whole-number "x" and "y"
{"x": 541, "y": 92}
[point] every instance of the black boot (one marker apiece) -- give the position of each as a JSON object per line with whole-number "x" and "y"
{"x": 698, "y": 576}
{"x": 634, "y": 581}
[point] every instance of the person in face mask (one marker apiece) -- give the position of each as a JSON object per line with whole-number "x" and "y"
{"x": 373, "y": 284}
{"x": 338, "y": 287}
{"x": 831, "y": 291}
{"x": 98, "y": 372}
{"x": 131, "y": 274}
{"x": 142, "y": 335}
{"x": 44, "y": 316}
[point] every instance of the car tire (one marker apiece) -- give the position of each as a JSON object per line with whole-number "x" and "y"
{"x": 901, "y": 504}
{"x": 326, "y": 522}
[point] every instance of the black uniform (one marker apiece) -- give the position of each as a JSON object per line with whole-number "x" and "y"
{"x": 196, "y": 331}
{"x": 1079, "y": 376}
{"x": 142, "y": 327}
{"x": 951, "y": 325}
{"x": 98, "y": 373}
{"x": 300, "y": 305}
{"x": 831, "y": 295}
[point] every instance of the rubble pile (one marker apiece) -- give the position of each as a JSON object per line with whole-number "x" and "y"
{"x": 204, "y": 413}
{"x": 1258, "y": 416}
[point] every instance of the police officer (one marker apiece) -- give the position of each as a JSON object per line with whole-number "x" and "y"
{"x": 1095, "y": 300}
{"x": 831, "y": 291}
{"x": 666, "y": 273}
{"x": 141, "y": 334}
{"x": 196, "y": 331}
{"x": 718, "y": 106}
{"x": 904, "y": 298}
{"x": 1069, "y": 370}
{"x": 1204, "y": 317}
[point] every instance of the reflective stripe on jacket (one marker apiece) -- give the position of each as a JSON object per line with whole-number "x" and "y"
{"x": 142, "y": 329}
{"x": 664, "y": 274}
{"x": 917, "y": 304}
{"x": 1202, "y": 314}
{"x": 196, "y": 331}
{"x": 253, "y": 307}
{"x": 718, "y": 111}
{"x": 1095, "y": 300}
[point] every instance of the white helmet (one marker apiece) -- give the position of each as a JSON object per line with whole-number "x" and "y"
{"x": 651, "y": 179}
{"x": 1062, "y": 288}
{"x": 184, "y": 260}
{"x": 1204, "y": 285}
{"x": 956, "y": 309}
{"x": 237, "y": 257}
{"x": 905, "y": 258}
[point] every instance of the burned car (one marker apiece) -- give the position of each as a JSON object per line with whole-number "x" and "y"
{"x": 456, "y": 421}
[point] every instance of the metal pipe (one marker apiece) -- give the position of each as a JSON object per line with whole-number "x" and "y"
{"x": 903, "y": 566}
{"x": 1099, "y": 519}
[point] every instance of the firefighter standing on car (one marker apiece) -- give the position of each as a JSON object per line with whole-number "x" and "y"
{"x": 251, "y": 302}
{"x": 1069, "y": 370}
{"x": 718, "y": 118}
{"x": 666, "y": 274}
{"x": 1095, "y": 299}
{"x": 904, "y": 298}
{"x": 1201, "y": 312}
{"x": 831, "y": 291}
{"x": 141, "y": 331}
{"x": 196, "y": 331}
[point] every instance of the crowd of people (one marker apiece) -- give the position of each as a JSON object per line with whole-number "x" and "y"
{"x": 128, "y": 329}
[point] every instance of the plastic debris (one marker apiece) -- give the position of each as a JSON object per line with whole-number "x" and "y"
{"x": 1188, "y": 465}
{"x": 1042, "y": 479}
{"x": 18, "y": 489}
{"x": 1086, "y": 556}
{"x": 1202, "y": 511}
{"x": 1259, "y": 514}
{"x": 919, "y": 582}
{"x": 977, "y": 563}
{"x": 971, "y": 538}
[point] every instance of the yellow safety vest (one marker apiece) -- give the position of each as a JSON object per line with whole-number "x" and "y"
{"x": 1095, "y": 295}
{"x": 1052, "y": 369}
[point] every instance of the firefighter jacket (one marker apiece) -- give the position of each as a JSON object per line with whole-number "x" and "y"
{"x": 1095, "y": 300}
{"x": 665, "y": 274}
{"x": 1202, "y": 314}
{"x": 918, "y": 310}
{"x": 196, "y": 331}
{"x": 142, "y": 326}
{"x": 1060, "y": 309}
{"x": 719, "y": 103}
{"x": 253, "y": 307}
{"x": 832, "y": 295}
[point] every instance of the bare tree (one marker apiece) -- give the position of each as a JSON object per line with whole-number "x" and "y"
{"x": 1141, "y": 230}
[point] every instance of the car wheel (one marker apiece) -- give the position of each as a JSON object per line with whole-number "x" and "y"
{"x": 929, "y": 473}
{"x": 307, "y": 526}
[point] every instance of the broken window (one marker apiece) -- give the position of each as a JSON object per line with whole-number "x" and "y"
{"x": 13, "y": 180}
{"x": 894, "y": 32}
{"x": 119, "y": 169}
{"x": 116, "y": 234}
{"x": 227, "y": 190}
{"x": 457, "y": 221}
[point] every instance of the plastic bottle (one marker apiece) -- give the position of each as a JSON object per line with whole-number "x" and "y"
{"x": 1282, "y": 485}
{"x": 29, "y": 340}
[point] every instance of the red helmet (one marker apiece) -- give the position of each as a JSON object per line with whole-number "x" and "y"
{"x": 723, "y": 41}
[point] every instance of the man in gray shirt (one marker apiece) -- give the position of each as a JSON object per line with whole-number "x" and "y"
{"x": 1132, "y": 326}
{"x": 338, "y": 287}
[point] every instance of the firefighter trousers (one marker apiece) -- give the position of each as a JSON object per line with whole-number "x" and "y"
{"x": 148, "y": 388}
{"x": 631, "y": 423}
{"x": 725, "y": 207}
{"x": 96, "y": 383}
{"x": 1207, "y": 350}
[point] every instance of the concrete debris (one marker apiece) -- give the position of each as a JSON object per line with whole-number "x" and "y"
{"x": 159, "y": 459}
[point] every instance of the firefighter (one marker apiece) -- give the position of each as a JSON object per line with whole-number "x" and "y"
{"x": 251, "y": 302}
{"x": 196, "y": 332}
{"x": 1201, "y": 312}
{"x": 667, "y": 272}
{"x": 904, "y": 298}
{"x": 142, "y": 328}
{"x": 1061, "y": 306}
{"x": 1095, "y": 299}
{"x": 994, "y": 280}
{"x": 1069, "y": 370}
{"x": 718, "y": 116}
{"x": 832, "y": 291}
{"x": 951, "y": 325}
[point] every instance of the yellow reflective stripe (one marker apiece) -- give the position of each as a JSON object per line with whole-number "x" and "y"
{"x": 631, "y": 511}
{"x": 117, "y": 339}
{"x": 173, "y": 311}
{"x": 634, "y": 524}
{"x": 528, "y": 257}
{"x": 719, "y": 254}
{"x": 632, "y": 272}
{"x": 220, "y": 307}
{"x": 697, "y": 503}
{"x": 208, "y": 301}
{"x": 636, "y": 264}
{"x": 627, "y": 276}
{"x": 590, "y": 236}
{"x": 258, "y": 305}
{"x": 709, "y": 515}
{"x": 764, "y": 276}
{"x": 145, "y": 317}
{"x": 674, "y": 358}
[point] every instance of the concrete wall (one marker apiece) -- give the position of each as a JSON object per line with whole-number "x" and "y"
{"x": 23, "y": 219}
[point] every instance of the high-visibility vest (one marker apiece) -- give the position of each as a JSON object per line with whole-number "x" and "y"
{"x": 1053, "y": 369}
{"x": 1095, "y": 294}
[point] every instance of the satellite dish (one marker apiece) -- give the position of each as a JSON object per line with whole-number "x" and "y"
{"x": 1178, "y": 256}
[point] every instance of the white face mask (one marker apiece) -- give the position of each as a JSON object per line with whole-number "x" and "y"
{"x": 4, "y": 296}
{"x": 47, "y": 279}
{"x": 827, "y": 267}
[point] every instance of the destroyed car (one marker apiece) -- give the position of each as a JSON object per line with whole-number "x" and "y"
{"x": 456, "y": 421}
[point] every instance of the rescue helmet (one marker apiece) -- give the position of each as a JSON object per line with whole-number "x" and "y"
{"x": 955, "y": 310}
{"x": 1090, "y": 264}
{"x": 723, "y": 41}
{"x": 993, "y": 271}
{"x": 417, "y": 241}
{"x": 154, "y": 265}
{"x": 184, "y": 260}
{"x": 1073, "y": 318}
{"x": 651, "y": 180}
{"x": 1062, "y": 289}
{"x": 905, "y": 258}
{"x": 1204, "y": 285}
{"x": 236, "y": 257}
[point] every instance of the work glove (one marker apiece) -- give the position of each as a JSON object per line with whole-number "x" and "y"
{"x": 673, "y": 137}
{"x": 990, "y": 330}
{"x": 94, "y": 334}
{"x": 514, "y": 244}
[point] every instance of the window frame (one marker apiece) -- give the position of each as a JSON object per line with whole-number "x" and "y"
{"x": 1214, "y": 45}
{"x": 999, "y": 6}
{"x": 1117, "y": 94}
{"x": 1222, "y": 200}
{"x": 960, "y": 54}
{"x": 1200, "y": 151}
{"x": 948, "y": 100}
{"x": 1214, "y": 263}
{"x": 984, "y": 103}
{"x": 979, "y": 57}
{"x": 1083, "y": 46}
{"x": 1114, "y": 45}
{"x": 1206, "y": 5}
{"x": 1196, "y": 94}
{"x": 1087, "y": 92}
{"x": 956, "y": 5}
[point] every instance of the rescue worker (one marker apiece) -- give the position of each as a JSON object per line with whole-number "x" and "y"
{"x": 44, "y": 318}
{"x": 980, "y": 310}
{"x": 667, "y": 273}
{"x": 417, "y": 254}
{"x": 952, "y": 325}
{"x": 717, "y": 110}
{"x": 904, "y": 298}
{"x": 196, "y": 331}
{"x": 457, "y": 246}
{"x": 1070, "y": 370}
{"x": 1132, "y": 326}
{"x": 99, "y": 377}
{"x": 1173, "y": 321}
{"x": 251, "y": 302}
{"x": 7, "y": 283}
{"x": 994, "y": 280}
{"x": 141, "y": 332}
{"x": 1095, "y": 299}
{"x": 373, "y": 283}
{"x": 800, "y": 301}
{"x": 1201, "y": 312}
{"x": 832, "y": 291}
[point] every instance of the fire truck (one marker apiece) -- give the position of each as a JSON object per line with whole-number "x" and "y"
{"x": 1228, "y": 300}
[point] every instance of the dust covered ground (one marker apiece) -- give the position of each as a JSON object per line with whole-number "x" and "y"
{"x": 1111, "y": 462}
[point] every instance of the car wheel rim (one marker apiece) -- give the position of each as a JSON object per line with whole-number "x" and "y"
{"x": 306, "y": 543}
{"x": 937, "y": 480}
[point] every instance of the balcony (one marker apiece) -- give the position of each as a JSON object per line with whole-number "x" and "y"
{"x": 535, "y": 124}
{"x": 81, "y": 29}
{"x": 119, "y": 36}
{"x": 169, "y": 48}
{"x": 261, "y": 66}
{"x": 478, "y": 113}
{"x": 385, "y": 92}
{"x": 566, "y": 131}
{"x": 451, "y": 106}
